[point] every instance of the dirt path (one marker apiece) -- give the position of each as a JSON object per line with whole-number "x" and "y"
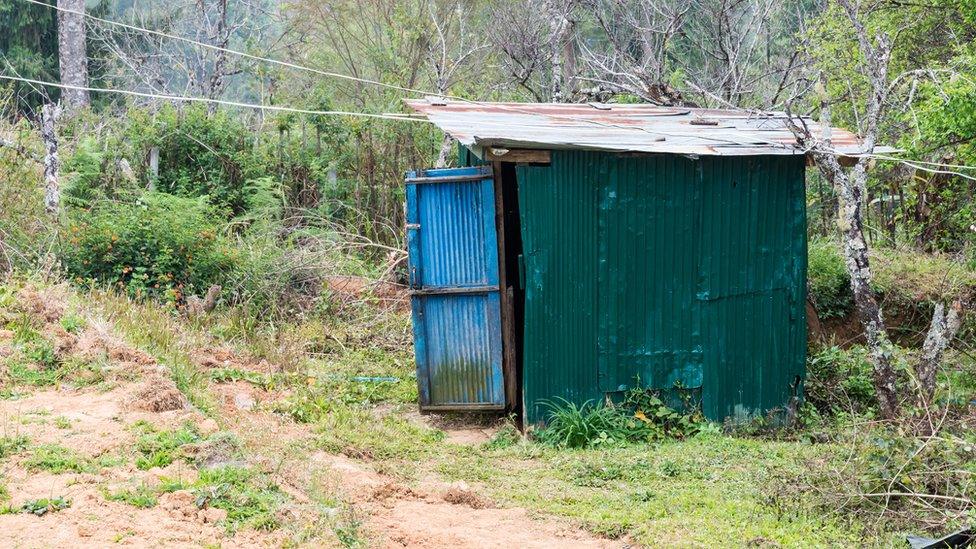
{"x": 96, "y": 426}
{"x": 429, "y": 514}
{"x": 99, "y": 429}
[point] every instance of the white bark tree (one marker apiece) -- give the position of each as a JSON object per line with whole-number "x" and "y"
{"x": 73, "y": 54}
{"x": 52, "y": 166}
{"x": 875, "y": 49}
{"x": 450, "y": 57}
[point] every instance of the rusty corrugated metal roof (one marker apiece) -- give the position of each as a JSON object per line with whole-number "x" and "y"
{"x": 615, "y": 127}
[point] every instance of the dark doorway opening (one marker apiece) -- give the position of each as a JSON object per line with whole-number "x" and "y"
{"x": 513, "y": 293}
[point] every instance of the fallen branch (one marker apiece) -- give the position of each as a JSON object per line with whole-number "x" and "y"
{"x": 914, "y": 495}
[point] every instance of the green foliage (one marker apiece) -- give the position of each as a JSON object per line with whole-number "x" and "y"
{"x": 22, "y": 217}
{"x": 73, "y": 324}
{"x": 829, "y": 281}
{"x": 57, "y": 459}
{"x": 839, "y": 381}
{"x": 141, "y": 496}
{"x": 36, "y": 364}
{"x": 348, "y": 530}
{"x": 162, "y": 245}
{"x": 642, "y": 417}
{"x": 160, "y": 448}
{"x": 250, "y": 498}
{"x": 41, "y": 507}
{"x": 506, "y": 437}
{"x": 217, "y": 155}
{"x": 10, "y": 445}
{"x": 29, "y": 45}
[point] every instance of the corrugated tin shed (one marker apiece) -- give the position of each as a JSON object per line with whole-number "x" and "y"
{"x": 624, "y": 128}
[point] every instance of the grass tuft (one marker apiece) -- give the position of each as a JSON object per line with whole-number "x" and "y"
{"x": 160, "y": 448}
{"x": 57, "y": 459}
{"x": 141, "y": 496}
{"x": 10, "y": 445}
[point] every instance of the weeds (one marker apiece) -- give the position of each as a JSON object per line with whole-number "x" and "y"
{"x": 10, "y": 445}
{"x": 56, "y": 459}
{"x": 73, "y": 324}
{"x": 161, "y": 448}
{"x": 642, "y": 417}
{"x": 250, "y": 499}
{"x": 347, "y": 529}
{"x": 141, "y": 496}
{"x": 41, "y": 507}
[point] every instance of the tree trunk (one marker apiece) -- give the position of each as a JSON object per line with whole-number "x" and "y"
{"x": 851, "y": 190}
{"x": 447, "y": 145}
{"x": 559, "y": 28}
{"x": 52, "y": 189}
{"x": 941, "y": 331}
{"x": 72, "y": 54}
{"x": 153, "y": 167}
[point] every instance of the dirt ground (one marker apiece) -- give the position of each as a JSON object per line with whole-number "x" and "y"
{"x": 97, "y": 423}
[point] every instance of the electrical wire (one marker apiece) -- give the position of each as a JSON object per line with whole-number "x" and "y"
{"x": 331, "y": 74}
{"x": 191, "y": 99}
{"x": 913, "y": 163}
{"x": 227, "y": 50}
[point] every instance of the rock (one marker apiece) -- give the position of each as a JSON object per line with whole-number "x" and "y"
{"x": 208, "y": 426}
{"x": 212, "y": 515}
{"x": 244, "y": 401}
{"x": 180, "y": 503}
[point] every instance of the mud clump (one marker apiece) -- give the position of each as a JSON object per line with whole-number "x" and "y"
{"x": 392, "y": 490}
{"x": 46, "y": 305}
{"x": 157, "y": 394}
{"x": 220, "y": 449}
{"x": 461, "y": 494}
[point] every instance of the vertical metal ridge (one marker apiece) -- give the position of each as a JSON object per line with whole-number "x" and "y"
{"x": 457, "y": 336}
{"x": 663, "y": 268}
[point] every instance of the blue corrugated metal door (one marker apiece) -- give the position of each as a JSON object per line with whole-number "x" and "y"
{"x": 453, "y": 262}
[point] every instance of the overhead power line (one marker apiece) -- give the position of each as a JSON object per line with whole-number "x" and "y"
{"x": 367, "y": 80}
{"x": 191, "y": 99}
{"x": 234, "y": 52}
{"x": 917, "y": 164}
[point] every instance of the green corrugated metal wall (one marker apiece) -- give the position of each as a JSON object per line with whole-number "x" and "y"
{"x": 665, "y": 270}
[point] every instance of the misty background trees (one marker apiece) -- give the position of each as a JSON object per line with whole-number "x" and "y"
{"x": 895, "y": 73}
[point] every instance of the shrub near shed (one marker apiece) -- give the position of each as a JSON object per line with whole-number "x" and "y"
{"x": 161, "y": 245}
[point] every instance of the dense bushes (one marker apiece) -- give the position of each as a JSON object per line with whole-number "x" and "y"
{"x": 829, "y": 282}
{"x": 160, "y": 244}
{"x": 641, "y": 417}
{"x": 24, "y": 226}
{"x": 839, "y": 381}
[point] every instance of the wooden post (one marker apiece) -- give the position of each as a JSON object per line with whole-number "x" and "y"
{"x": 153, "y": 167}
{"x": 506, "y": 295}
{"x": 52, "y": 189}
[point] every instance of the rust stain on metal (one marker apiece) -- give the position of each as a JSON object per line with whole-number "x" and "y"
{"x": 624, "y": 128}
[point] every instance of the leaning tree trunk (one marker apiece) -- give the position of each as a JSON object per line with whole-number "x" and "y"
{"x": 72, "y": 53}
{"x": 52, "y": 188}
{"x": 941, "y": 331}
{"x": 851, "y": 189}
